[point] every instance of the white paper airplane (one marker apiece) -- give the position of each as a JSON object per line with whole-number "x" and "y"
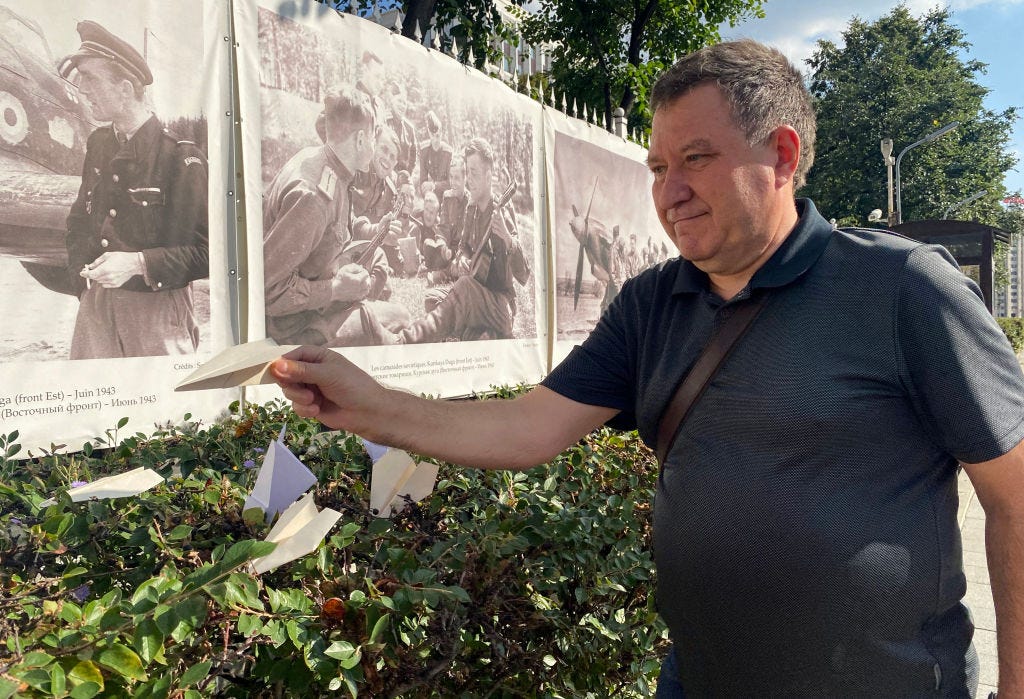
{"x": 299, "y": 531}
{"x": 374, "y": 450}
{"x": 398, "y": 480}
{"x": 281, "y": 480}
{"x": 247, "y": 364}
{"x": 122, "y": 485}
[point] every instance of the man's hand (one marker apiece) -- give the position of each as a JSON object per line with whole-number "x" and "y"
{"x": 350, "y": 283}
{"x": 324, "y": 385}
{"x": 112, "y": 269}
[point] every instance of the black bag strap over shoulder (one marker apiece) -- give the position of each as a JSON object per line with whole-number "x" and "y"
{"x": 694, "y": 383}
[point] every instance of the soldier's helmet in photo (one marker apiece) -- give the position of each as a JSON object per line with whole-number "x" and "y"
{"x": 98, "y": 42}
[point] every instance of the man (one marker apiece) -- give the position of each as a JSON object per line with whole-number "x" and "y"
{"x": 453, "y": 204}
{"x": 433, "y": 247}
{"x": 490, "y": 261}
{"x": 315, "y": 293}
{"x": 137, "y": 233}
{"x": 805, "y": 524}
{"x": 403, "y": 128}
{"x": 435, "y": 156}
{"x": 374, "y": 191}
{"x": 632, "y": 257}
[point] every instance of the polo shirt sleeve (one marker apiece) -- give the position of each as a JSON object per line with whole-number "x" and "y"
{"x": 602, "y": 371}
{"x": 962, "y": 376}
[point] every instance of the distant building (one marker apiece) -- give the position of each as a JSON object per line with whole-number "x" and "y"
{"x": 1010, "y": 297}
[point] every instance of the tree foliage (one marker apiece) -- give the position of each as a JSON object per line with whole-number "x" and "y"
{"x": 606, "y": 53}
{"x": 471, "y": 23}
{"x": 902, "y": 77}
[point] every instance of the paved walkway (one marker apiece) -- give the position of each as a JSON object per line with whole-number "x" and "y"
{"x": 979, "y": 591}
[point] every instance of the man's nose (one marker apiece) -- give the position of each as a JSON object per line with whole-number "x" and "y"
{"x": 674, "y": 189}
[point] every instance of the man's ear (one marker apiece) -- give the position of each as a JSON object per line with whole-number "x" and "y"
{"x": 787, "y": 152}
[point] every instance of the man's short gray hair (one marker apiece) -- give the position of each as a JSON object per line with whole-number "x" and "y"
{"x": 762, "y": 87}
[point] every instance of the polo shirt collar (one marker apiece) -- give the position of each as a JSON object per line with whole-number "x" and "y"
{"x": 797, "y": 254}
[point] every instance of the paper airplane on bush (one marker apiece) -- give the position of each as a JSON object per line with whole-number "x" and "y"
{"x": 299, "y": 531}
{"x": 281, "y": 480}
{"x": 398, "y": 480}
{"x": 247, "y": 364}
{"x": 374, "y": 450}
{"x": 122, "y": 485}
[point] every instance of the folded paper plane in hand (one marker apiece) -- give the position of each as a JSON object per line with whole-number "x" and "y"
{"x": 398, "y": 480}
{"x": 247, "y": 364}
{"x": 299, "y": 531}
{"x": 122, "y": 485}
{"x": 282, "y": 479}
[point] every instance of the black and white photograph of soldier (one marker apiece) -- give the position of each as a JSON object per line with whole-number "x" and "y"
{"x": 600, "y": 236}
{"x": 414, "y": 223}
{"x": 107, "y": 236}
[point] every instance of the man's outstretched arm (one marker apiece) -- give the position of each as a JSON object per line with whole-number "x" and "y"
{"x": 518, "y": 433}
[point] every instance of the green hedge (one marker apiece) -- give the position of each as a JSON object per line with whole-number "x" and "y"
{"x": 501, "y": 584}
{"x": 1014, "y": 329}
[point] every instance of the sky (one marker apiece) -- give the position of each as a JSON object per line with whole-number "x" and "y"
{"x": 992, "y": 27}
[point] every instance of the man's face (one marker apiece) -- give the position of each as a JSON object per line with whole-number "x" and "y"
{"x": 408, "y": 197}
{"x": 457, "y": 177}
{"x": 385, "y": 157}
{"x": 713, "y": 192}
{"x": 478, "y": 180}
{"x": 102, "y": 93}
{"x": 398, "y": 104}
{"x": 430, "y": 211}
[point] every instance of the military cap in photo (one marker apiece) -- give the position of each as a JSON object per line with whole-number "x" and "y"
{"x": 97, "y": 42}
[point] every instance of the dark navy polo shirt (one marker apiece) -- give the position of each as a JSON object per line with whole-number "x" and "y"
{"x": 805, "y": 521}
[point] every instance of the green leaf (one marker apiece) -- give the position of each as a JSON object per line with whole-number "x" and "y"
{"x": 237, "y": 555}
{"x": 58, "y": 680}
{"x": 122, "y": 422}
{"x": 347, "y": 655}
{"x": 379, "y": 526}
{"x": 165, "y": 619}
{"x": 122, "y": 660}
{"x": 36, "y": 658}
{"x": 86, "y": 690}
{"x": 378, "y": 629}
{"x": 86, "y": 672}
{"x": 249, "y": 625}
{"x": 196, "y": 673}
{"x": 191, "y": 613}
{"x": 182, "y": 531}
{"x": 8, "y": 688}
{"x": 148, "y": 640}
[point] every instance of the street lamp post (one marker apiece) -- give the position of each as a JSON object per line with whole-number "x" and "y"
{"x": 889, "y": 162}
{"x": 927, "y": 139}
{"x": 968, "y": 200}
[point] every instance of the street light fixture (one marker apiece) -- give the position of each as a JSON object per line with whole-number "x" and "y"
{"x": 889, "y": 162}
{"x": 968, "y": 200}
{"x": 927, "y": 139}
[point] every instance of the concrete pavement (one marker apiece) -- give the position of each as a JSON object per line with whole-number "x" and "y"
{"x": 979, "y": 591}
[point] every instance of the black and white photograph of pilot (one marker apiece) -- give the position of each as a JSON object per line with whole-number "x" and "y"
{"x": 105, "y": 230}
{"x": 604, "y": 233}
{"x": 398, "y": 208}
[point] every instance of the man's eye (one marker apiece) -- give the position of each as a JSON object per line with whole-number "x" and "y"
{"x": 658, "y": 170}
{"x": 696, "y": 157}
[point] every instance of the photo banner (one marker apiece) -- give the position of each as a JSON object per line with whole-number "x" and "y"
{"x": 113, "y": 221}
{"x": 393, "y": 203}
{"x": 603, "y": 226}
